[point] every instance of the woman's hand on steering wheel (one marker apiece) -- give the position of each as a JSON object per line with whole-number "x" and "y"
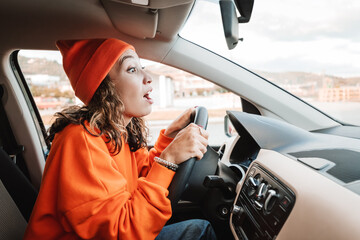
{"x": 189, "y": 142}
{"x": 180, "y": 122}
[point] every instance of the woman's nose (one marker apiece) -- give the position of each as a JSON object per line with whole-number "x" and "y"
{"x": 147, "y": 78}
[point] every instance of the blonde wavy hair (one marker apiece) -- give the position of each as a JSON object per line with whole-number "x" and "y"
{"x": 105, "y": 116}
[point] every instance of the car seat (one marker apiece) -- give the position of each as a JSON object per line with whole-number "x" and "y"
{"x": 17, "y": 198}
{"x": 17, "y": 194}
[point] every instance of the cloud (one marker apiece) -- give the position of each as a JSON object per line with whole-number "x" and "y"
{"x": 333, "y": 56}
{"x": 305, "y": 20}
{"x": 297, "y": 35}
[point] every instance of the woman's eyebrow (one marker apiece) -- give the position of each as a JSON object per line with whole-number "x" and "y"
{"x": 124, "y": 58}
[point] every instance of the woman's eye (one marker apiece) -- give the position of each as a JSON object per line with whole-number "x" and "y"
{"x": 131, "y": 70}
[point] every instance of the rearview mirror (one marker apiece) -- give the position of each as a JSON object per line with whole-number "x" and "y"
{"x": 230, "y": 20}
{"x": 245, "y": 8}
{"x": 230, "y": 23}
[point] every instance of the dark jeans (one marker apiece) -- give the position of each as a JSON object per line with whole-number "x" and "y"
{"x": 191, "y": 229}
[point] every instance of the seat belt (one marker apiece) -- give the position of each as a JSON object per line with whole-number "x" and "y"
{"x": 12, "y": 166}
{"x": 7, "y": 139}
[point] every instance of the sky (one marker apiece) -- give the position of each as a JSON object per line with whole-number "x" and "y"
{"x": 321, "y": 36}
{"x": 50, "y": 55}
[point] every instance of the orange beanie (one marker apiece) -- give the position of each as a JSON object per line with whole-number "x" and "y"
{"x": 87, "y": 62}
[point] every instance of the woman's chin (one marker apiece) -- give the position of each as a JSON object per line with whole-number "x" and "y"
{"x": 148, "y": 111}
{"x": 143, "y": 113}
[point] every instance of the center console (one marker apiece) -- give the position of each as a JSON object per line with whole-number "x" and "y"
{"x": 261, "y": 207}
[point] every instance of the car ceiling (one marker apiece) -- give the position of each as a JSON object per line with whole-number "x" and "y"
{"x": 38, "y": 24}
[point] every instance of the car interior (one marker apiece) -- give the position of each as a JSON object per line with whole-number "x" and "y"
{"x": 288, "y": 171}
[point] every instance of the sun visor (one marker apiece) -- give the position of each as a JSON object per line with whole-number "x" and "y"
{"x": 154, "y": 4}
{"x": 138, "y": 18}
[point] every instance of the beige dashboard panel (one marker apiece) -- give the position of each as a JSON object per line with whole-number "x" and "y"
{"x": 323, "y": 209}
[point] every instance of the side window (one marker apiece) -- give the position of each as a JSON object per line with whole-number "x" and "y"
{"x": 47, "y": 82}
{"x": 176, "y": 90}
{"x": 173, "y": 92}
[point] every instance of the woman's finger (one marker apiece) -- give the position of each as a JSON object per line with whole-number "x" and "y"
{"x": 203, "y": 141}
{"x": 199, "y": 155}
{"x": 203, "y": 149}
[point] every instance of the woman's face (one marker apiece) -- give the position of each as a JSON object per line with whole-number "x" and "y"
{"x": 133, "y": 85}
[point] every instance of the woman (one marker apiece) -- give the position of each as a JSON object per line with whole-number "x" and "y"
{"x": 100, "y": 181}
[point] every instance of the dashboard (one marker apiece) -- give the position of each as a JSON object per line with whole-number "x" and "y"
{"x": 298, "y": 184}
{"x": 262, "y": 206}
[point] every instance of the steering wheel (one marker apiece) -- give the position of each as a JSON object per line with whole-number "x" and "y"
{"x": 182, "y": 175}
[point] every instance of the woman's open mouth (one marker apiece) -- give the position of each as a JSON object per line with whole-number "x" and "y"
{"x": 148, "y": 98}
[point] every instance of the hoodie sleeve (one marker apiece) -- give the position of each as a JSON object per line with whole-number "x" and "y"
{"x": 145, "y": 158}
{"x": 93, "y": 200}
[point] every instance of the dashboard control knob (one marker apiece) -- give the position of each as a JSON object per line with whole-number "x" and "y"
{"x": 237, "y": 210}
{"x": 270, "y": 200}
{"x": 258, "y": 205}
{"x": 261, "y": 192}
{"x": 253, "y": 182}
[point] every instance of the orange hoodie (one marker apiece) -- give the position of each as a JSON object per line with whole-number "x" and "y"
{"x": 86, "y": 193}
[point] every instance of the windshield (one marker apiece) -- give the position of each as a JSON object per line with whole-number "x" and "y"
{"x": 309, "y": 48}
